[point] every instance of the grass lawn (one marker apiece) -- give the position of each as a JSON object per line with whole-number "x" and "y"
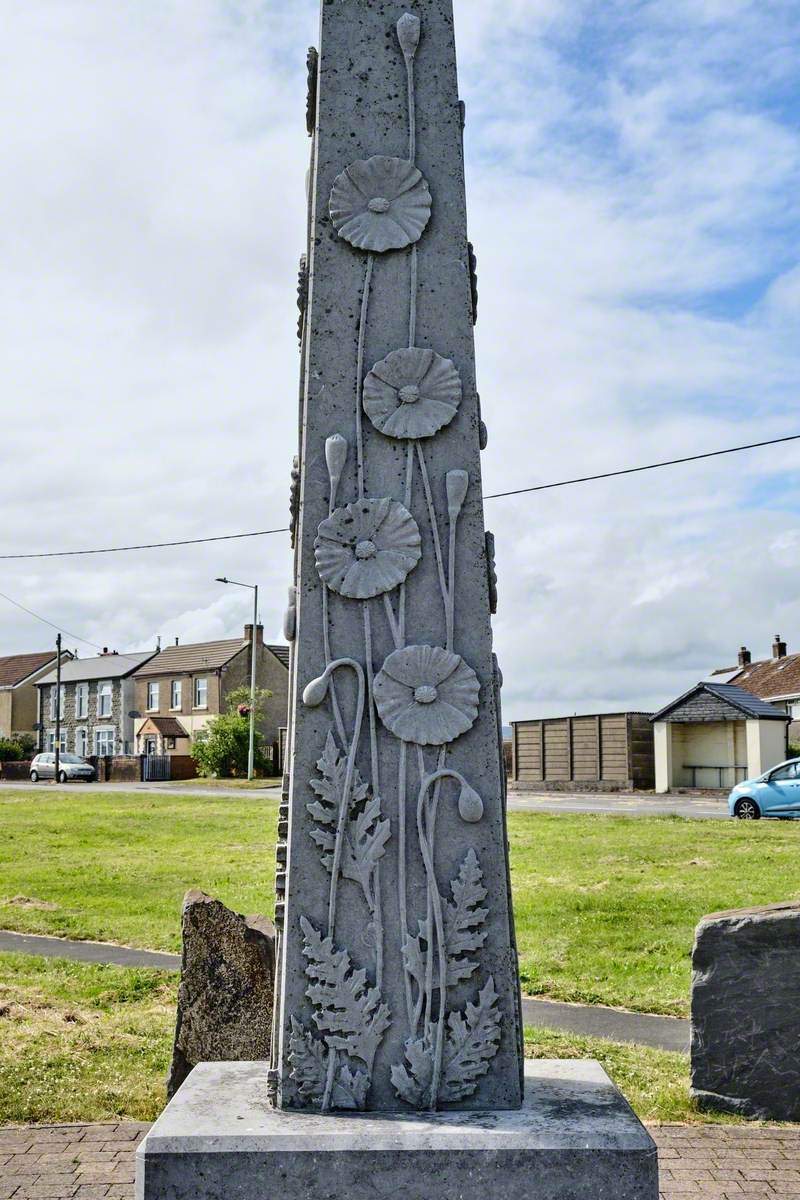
{"x": 231, "y": 785}
{"x": 89, "y": 1043}
{"x": 605, "y": 906}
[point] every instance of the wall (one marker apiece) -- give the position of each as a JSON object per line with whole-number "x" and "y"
{"x": 708, "y": 746}
{"x": 766, "y": 746}
{"x": 120, "y": 706}
{"x": 5, "y": 712}
{"x": 270, "y": 674}
{"x": 608, "y": 751}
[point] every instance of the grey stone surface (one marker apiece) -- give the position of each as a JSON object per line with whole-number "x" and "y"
{"x": 226, "y": 989}
{"x": 390, "y": 419}
{"x": 745, "y": 1046}
{"x": 574, "y": 1136}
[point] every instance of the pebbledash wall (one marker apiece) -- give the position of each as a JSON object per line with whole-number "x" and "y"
{"x": 601, "y": 752}
{"x": 118, "y": 721}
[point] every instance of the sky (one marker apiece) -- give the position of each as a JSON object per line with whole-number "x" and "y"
{"x": 634, "y": 199}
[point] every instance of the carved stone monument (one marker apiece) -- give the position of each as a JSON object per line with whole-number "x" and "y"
{"x": 397, "y": 1059}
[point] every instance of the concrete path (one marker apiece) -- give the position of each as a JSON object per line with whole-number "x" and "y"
{"x": 620, "y": 804}
{"x": 664, "y": 1033}
{"x": 696, "y": 1162}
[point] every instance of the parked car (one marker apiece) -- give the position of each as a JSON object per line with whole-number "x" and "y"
{"x": 70, "y": 766}
{"x": 776, "y": 793}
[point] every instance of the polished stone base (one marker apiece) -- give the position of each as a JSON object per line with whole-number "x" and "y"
{"x": 575, "y": 1137}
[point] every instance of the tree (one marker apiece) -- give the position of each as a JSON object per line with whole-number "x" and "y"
{"x": 222, "y": 748}
{"x": 10, "y": 750}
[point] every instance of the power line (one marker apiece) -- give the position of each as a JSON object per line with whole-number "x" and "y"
{"x": 45, "y": 621}
{"x": 670, "y": 462}
{"x": 540, "y": 487}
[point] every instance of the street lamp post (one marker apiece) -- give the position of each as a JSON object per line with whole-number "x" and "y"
{"x": 253, "y": 646}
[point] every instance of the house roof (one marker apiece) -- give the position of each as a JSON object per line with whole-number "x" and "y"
{"x": 167, "y": 726}
{"x": 750, "y": 706}
{"x": 16, "y": 667}
{"x": 281, "y": 653}
{"x": 104, "y": 666}
{"x": 772, "y": 678}
{"x": 202, "y": 656}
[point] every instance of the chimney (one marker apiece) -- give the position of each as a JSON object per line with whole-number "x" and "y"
{"x": 248, "y": 634}
{"x": 745, "y": 657}
{"x": 105, "y": 649}
{"x": 778, "y": 647}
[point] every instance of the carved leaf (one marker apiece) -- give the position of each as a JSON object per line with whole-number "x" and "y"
{"x": 462, "y": 919}
{"x": 413, "y": 1083}
{"x": 414, "y": 957}
{"x": 366, "y": 835}
{"x": 309, "y": 1060}
{"x": 348, "y": 1013}
{"x": 472, "y": 1042}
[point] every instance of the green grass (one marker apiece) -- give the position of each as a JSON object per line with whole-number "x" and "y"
{"x": 605, "y": 906}
{"x": 81, "y": 1042}
{"x": 88, "y": 1043}
{"x": 234, "y": 785}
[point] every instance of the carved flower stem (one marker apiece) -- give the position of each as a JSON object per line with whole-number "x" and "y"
{"x": 412, "y": 1012}
{"x": 437, "y": 547}
{"x": 412, "y": 315}
{"x": 435, "y": 904}
{"x": 362, "y": 334}
{"x": 457, "y": 484}
{"x": 376, "y": 790}
{"x": 335, "y": 454}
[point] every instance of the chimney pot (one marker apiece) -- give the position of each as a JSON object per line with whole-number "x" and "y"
{"x": 105, "y": 649}
{"x": 177, "y": 641}
{"x": 745, "y": 657}
{"x": 778, "y": 647}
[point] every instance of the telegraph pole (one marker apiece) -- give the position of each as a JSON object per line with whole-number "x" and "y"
{"x": 58, "y": 707}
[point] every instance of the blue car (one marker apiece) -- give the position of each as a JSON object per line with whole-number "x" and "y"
{"x": 776, "y": 793}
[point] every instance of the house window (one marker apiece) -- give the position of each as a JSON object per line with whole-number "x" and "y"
{"x": 176, "y": 694}
{"x": 81, "y": 701}
{"x": 51, "y": 741}
{"x": 201, "y": 692}
{"x": 104, "y": 740}
{"x": 169, "y": 743}
{"x": 794, "y": 710}
{"x": 104, "y": 698}
{"x": 152, "y": 697}
{"x": 53, "y": 693}
{"x": 81, "y": 741}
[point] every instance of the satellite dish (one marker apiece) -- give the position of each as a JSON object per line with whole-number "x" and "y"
{"x": 134, "y": 714}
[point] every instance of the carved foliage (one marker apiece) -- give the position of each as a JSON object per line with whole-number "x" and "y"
{"x": 366, "y": 834}
{"x": 310, "y": 1068}
{"x": 312, "y": 65}
{"x": 473, "y": 280}
{"x": 491, "y": 571}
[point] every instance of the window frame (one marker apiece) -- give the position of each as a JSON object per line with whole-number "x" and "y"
{"x": 176, "y": 695}
{"x": 81, "y": 701}
{"x": 152, "y": 685}
{"x": 198, "y": 679}
{"x": 82, "y": 734}
{"x": 101, "y": 685}
{"x": 105, "y": 731}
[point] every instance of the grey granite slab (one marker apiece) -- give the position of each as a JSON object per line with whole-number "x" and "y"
{"x": 575, "y": 1136}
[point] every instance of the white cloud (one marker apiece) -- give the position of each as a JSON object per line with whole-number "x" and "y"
{"x": 639, "y": 300}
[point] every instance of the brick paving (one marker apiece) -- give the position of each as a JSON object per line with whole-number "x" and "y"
{"x": 711, "y": 1162}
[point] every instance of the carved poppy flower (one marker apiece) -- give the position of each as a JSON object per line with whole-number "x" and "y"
{"x": 427, "y": 695}
{"x": 412, "y": 393}
{"x": 367, "y": 548}
{"x": 380, "y": 204}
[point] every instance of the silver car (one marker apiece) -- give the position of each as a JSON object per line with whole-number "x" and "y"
{"x": 70, "y": 766}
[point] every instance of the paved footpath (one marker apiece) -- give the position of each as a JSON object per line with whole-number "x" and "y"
{"x": 96, "y": 1162}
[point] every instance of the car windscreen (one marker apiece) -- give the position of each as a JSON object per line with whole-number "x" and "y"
{"x": 70, "y": 758}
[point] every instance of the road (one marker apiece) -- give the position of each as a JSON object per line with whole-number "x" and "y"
{"x": 621, "y": 804}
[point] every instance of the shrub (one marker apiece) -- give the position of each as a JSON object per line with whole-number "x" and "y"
{"x": 222, "y": 748}
{"x": 10, "y": 751}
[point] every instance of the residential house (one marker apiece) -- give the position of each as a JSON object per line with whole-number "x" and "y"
{"x": 97, "y": 698}
{"x": 716, "y": 735}
{"x": 19, "y": 674}
{"x": 182, "y": 688}
{"x": 775, "y": 679}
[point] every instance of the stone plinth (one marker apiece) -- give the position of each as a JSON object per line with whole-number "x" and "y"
{"x": 745, "y": 1012}
{"x": 575, "y": 1136}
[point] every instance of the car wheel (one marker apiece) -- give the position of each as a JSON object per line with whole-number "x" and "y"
{"x": 62, "y": 776}
{"x": 34, "y": 776}
{"x": 747, "y": 810}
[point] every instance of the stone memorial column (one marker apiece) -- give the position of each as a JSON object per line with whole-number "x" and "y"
{"x": 397, "y": 1066}
{"x": 398, "y": 986}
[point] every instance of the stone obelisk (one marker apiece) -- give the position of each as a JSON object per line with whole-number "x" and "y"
{"x": 397, "y": 1065}
{"x": 398, "y": 978}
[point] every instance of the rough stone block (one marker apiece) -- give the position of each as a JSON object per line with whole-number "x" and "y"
{"x": 226, "y": 990}
{"x": 575, "y": 1136}
{"x": 746, "y": 1012}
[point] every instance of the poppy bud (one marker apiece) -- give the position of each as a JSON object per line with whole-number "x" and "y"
{"x": 470, "y": 805}
{"x": 336, "y": 457}
{"x": 457, "y": 484}
{"x": 408, "y": 33}
{"x": 316, "y": 691}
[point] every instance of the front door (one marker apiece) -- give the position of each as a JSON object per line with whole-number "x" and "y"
{"x": 150, "y": 746}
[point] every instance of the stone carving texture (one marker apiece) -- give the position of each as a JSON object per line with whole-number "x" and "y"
{"x": 302, "y": 295}
{"x": 412, "y": 393}
{"x": 367, "y": 548}
{"x": 380, "y": 204}
{"x": 745, "y": 1019}
{"x": 312, "y": 67}
{"x": 426, "y": 695}
{"x": 397, "y": 1007}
